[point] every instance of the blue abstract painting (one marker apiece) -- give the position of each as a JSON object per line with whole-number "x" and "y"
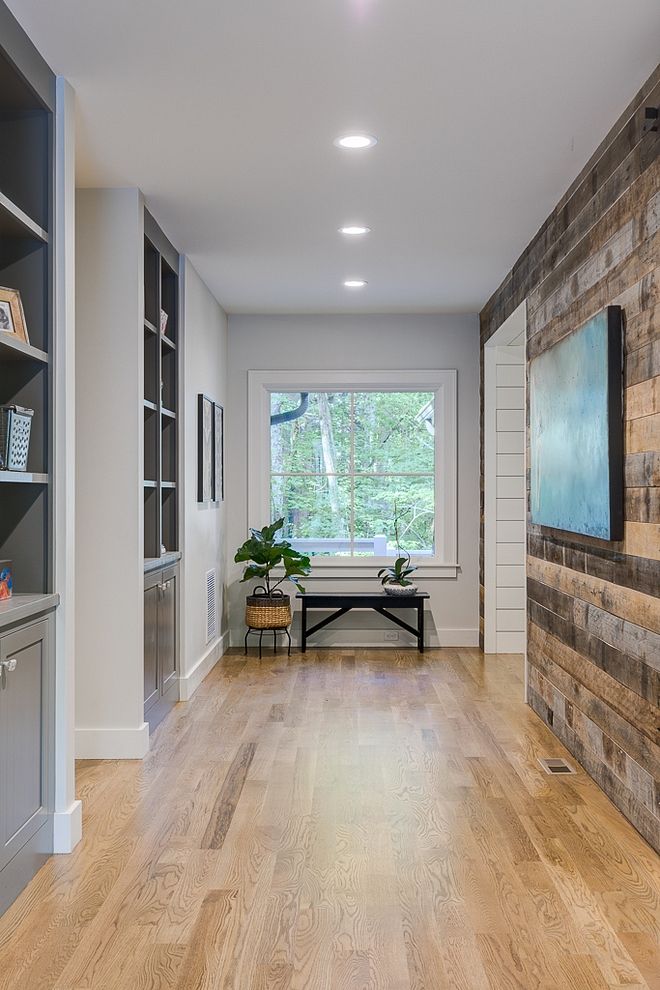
{"x": 576, "y": 431}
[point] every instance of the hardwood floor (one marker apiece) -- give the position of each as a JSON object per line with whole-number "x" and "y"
{"x": 341, "y": 821}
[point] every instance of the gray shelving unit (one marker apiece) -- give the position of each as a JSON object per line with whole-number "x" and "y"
{"x": 27, "y": 632}
{"x": 161, "y": 392}
{"x": 27, "y": 104}
{"x": 161, "y": 473}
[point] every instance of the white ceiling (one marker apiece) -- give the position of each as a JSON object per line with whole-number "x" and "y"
{"x": 224, "y": 114}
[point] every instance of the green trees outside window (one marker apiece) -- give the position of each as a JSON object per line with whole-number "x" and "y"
{"x": 340, "y": 461}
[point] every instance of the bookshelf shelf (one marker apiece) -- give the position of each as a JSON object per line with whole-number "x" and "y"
{"x": 26, "y": 264}
{"x": 23, "y": 478}
{"x": 15, "y": 223}
{"x": 161, "y": 293}
{"x": 13, "y": 349}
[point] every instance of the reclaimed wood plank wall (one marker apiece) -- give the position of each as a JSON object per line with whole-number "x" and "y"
{"x": 593, "y": 606}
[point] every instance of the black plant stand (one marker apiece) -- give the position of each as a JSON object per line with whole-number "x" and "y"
{"x": 284, "y": 629}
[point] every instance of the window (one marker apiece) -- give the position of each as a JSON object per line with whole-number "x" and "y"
{"x": 343, "y": 465}
{"x": 340, "y": 454}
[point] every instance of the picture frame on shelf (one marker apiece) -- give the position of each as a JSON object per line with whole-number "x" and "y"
{"x": 218, "y": 452}
{"x": 6, "y": 580}
{"x": 205, "y": 419}
{"x": 12, "y": 317}
{"x": 163, "y": 322}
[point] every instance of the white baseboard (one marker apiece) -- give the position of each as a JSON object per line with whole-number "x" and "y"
{"x": 511, "y": 642}
{"x": 454, "y": 637}
{"x": 189, "y": 684}
{"x": 112, "y": 744}
{"x": 67, "y": 828}
{"x": 348, "y": 639}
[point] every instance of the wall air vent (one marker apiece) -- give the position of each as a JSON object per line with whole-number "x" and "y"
{"x": 551, "y": 765}
{"x": 211, "y": 606}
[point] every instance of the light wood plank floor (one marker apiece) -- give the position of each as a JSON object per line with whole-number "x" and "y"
{"x": 343, "y": 821}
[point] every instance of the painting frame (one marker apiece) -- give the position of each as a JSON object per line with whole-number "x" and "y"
{"x": 218, "y": 452}
{"x": 205, "y": 444}
{"x": 12, "y": 305}
{"x": 576, "y": 430}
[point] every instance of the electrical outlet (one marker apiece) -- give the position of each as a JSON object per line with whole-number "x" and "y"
{"x": 392, "y": 637}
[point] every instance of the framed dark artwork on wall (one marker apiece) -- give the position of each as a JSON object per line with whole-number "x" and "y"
{"x": 218, "y": 452}
{"x": 204, "y": 449}
{"x": 576, "y": 430}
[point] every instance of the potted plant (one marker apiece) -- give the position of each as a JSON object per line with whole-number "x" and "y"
{"x": 268, "y": 607}
{"x": 394, "y": 579}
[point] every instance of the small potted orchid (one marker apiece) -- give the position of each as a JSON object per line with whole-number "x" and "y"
{"x": 396, "y": 578}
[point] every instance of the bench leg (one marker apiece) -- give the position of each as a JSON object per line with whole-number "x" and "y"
{"x": 304, "y": 628}
{"x": 420, "y": 627}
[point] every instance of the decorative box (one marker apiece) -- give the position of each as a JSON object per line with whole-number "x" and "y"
{"x": 6, "y": 582}
{"x": 15, "y": 427}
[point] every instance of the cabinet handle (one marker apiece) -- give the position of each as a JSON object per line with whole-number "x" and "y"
{"x": 9, "y": 665}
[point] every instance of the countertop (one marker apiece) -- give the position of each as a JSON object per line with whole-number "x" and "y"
{"x": 20, "y": 608}
{"x": 158, "y": 563}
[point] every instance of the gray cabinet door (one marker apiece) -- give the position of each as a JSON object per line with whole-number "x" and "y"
{"x": 24, "y": 734}
{"x": 167, "y": 634}
{"x": 151, "y": 680}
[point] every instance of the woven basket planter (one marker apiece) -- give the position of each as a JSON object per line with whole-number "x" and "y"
{"x": 267, "y": 611}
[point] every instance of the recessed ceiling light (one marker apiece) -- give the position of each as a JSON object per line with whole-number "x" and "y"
{"x": 354, "y": 283}
{"x": 356, "y": 141}
{"x": 354, "y": 230}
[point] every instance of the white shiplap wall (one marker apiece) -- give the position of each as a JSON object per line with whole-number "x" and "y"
{"x": 510, "y": 505}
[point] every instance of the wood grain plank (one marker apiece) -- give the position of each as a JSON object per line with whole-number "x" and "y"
{"x": 643, "y": 505}
{"x": 627, "y": 603}
{"x": 636, "y": 675}
{"x": 642, "y": 434}
{"x": 642, "y": 539}
{"x": 227, "y": 800}
{"x": 605, "y": 561}
{"x": 394, "y": 831}
{"x": 643, "y": 469}
{"x": 642, "y": 399}
{"x": 610, "y": 706}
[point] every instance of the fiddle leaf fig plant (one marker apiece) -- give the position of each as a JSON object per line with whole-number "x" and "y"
{"x": 263, "y": 552}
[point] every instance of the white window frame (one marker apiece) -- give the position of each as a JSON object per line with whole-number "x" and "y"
{"x": 261, "y": 384}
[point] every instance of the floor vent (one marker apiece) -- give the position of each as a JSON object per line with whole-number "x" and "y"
{"x": 211, "y": 607}
{"x": 556, "y": 766}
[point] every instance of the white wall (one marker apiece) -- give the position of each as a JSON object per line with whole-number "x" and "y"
{"x": 204, "y": 525}
{"x": 511, "y": 607}
{"x": 109, "y": 468}
{"x": 359, "y": 343}
{"x": 68, "y": 811}
{"x": 505, "y": 607}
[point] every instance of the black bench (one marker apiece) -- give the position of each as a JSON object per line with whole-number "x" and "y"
{"x": 380, "y": 602}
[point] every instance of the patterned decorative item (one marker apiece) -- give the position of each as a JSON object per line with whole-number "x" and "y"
{"x": 400, "y": 590}
{"x": 6, "y": 580}
{"x": 15, "y": 427}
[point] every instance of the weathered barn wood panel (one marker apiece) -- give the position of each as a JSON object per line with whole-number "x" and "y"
{"x": 594, "y": 606}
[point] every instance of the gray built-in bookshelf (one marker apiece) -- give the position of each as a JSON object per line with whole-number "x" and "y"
{"x": 27, "y": 94}
{"x": 161, "y": 296}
